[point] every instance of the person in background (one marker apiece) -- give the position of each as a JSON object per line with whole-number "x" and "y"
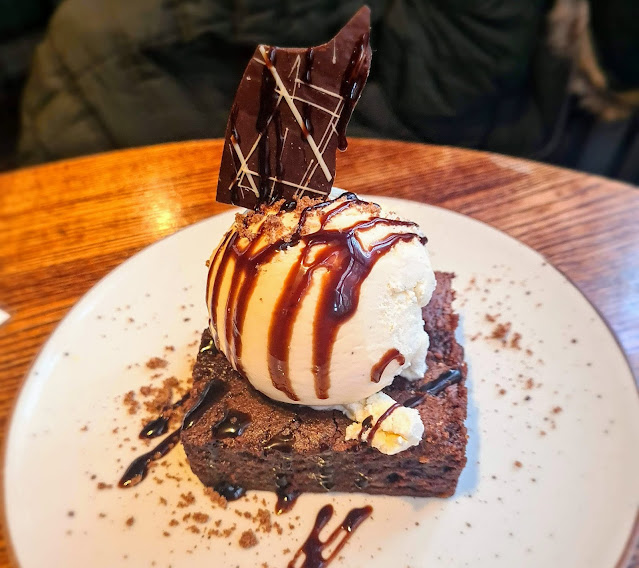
{"x": 554, "y": 81}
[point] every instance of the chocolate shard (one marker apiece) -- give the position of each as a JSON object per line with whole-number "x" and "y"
{"x": 290, "y": 115}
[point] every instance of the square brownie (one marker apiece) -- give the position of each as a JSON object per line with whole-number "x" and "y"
{"x": 237, "y": 439}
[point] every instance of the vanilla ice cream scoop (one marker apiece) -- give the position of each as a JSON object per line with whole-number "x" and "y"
{"x": 321, "y": 305}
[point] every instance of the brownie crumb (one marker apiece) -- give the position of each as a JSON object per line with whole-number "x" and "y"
{"x": 130, "y": 403}
{"x": 200, "y": 517}
{"x": 501, "y": 330}
{"x": 529, "y": 384}
{"x": 557, "y": 410}
{"x": 101, "y": 485}
{"x": 186, "y": 499}
{"x": 502, "y": 392}
{"x": 130, "y": 521}
{"x": 248, "y": 539}
{"x": 216, "y": 498}
{"x": 518, "y": 464}
{"x": 263, "y": 519}
{"x": 157, "y": 363}
{"x": 514, "y": 342}
{"x": 70, "y": 513}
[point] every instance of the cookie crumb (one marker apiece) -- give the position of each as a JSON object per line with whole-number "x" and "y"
{"x": 518, "y": 464}
{"x": 130, "y": 521}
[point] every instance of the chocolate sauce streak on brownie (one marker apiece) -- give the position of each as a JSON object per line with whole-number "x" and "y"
{"x": 139, "y": 467}
{"x": 379, "y": 367}
{"x": 353, "y": 82}
{"x": 435, "y": 387}
{"x": 282, "y": 442}
{"x": 392, "y": 408}
{"x": 313, "y": 547}
{"x": 286, "y": 499}
{"x": 211, "y": 393}
{"x": 158, "y": 426}
{"x": 232, "y": 425}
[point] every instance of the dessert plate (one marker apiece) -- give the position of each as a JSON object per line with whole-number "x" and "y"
{"x": 553, "y": 427}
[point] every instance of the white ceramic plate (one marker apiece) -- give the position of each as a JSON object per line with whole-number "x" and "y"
{"x": 552, "y": 466}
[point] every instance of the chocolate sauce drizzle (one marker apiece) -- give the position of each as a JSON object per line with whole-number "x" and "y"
{"x": 232, "y": 425}
{"x": 392, "y": 408}
{"x": 434, "y": 387}
{"x": 378, "y": 368}
{"x": 367, "y": 423}
{"x": 286, "y": 499}
{"x": 282, "y": 442}
{"x": 346, "y": 264}
{"x": 139, "y": 467}
{"x": 353, "y": 82}
{"x": 313, "y": 547}
{"x": 212, "y": 392}
{"x": 229, "y": 491}
{"x": 158, "y": 426}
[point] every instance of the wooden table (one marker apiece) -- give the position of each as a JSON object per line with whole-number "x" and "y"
{"x": 65, "y": 225}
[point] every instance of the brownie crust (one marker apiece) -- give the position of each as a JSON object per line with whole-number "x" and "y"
{"x": 298, "y": 449}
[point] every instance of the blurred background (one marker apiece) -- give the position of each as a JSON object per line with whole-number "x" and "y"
{"x": 555, "y": 81}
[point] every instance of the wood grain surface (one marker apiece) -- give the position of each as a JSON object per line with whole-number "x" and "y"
{"x": 66, "y": 225}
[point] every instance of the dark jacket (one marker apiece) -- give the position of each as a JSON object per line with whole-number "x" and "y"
{"x": 119, "y": 73}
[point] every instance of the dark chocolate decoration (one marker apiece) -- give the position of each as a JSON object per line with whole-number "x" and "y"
{"x": 290, "y": 115}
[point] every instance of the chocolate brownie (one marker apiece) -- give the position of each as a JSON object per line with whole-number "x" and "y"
{"x": 237, "y": 439}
